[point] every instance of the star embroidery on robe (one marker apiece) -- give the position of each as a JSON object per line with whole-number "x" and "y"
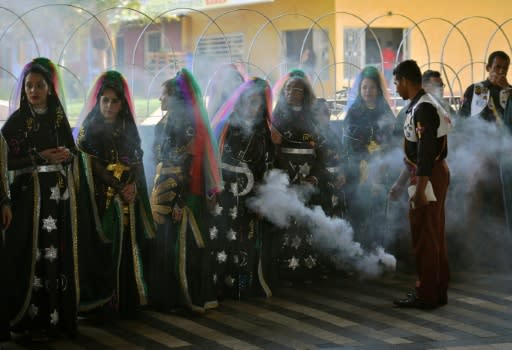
{"x": 233, "y": 212}
{"x": 304, "y": 169}
{"x": 55, "y": 193}
{"x": 231, "y": 235}
{"x": 234, "y": 188}
{"x": 50, "y": 253}
{"x": 296, "y": 241}
{"x": 218, "y": 210}
{"x": 288, "y": 134}
{"x": 54, "y": 317}
{"x": 213, "y": 232}
{"x": 221, "y": 256}
{"x": 49, "y": 224}
{"x": 230, "y": 281}
{"x": 214, "y": 278}
{"x": 309, "y": 239}
{"x": 33, "y": 311}
{"x": 36, "y": 284}
{"x": 293, "y": 263}
{"x": 286, "y": 240}
{"x": 310, "y": 262}
{"x": 62, "y": 282}
{"x": 334, "y": 200}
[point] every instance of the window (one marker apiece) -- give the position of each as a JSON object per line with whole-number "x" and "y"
{"x": 227, "y": 48}
{"x": 361, "y": 48}
{"x": 310, "y": 51}
{"x": 153, "y": 41}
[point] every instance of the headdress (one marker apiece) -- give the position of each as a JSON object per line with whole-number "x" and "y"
{"x": 50, "y": 72}
{"x": 205, "y": 174}
{"x": 221, "y": 85}
{"x": 220, "y": 120}
{"x": 354, "y": 94}
{"x": 109, "y": 79}
{"x": 279, "y": 87}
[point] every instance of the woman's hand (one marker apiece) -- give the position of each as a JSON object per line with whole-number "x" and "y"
{"x": 395, "y": 191}
{"x": 419, "y": 200}
{"x": 275, "y": 136}
{"x": 129, "y": 192}
{"x": 56, "y": 155}
{"x": 6, "y": 216}
{"x": 177, "y": 213}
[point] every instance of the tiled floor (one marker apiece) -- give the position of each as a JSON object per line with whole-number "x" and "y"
{"x": 339, "y": 313}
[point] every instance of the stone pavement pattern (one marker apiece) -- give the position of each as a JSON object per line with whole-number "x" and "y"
{"x": 340, "y": 313}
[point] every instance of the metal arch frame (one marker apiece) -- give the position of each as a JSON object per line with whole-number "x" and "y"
{"x": 274, "y": 68}
{"x": 472, "y": 63}
{"x": 475, "y": 17}
{"x": 334, "y": 64}
{"x": 258, "y": 32}
{"x": 14, "y": 87}
{"x": 407, "y": 34}
{"x": 310, "y": 29}
{"x": 84, "y": 90}
{"x": 210, "y": 80}
{"x": 278, "y": 17}
{"x": 93, "y": 15}
{"x": 441, "y": 62}
{"x": 332, "y": 47}
{"x": 269, "y": 20}
{"x": 144, "y": 69}
{"x": 20, "y": 18}
{"x": 417, "y": 25}
{"x": 58, "y": 65}
{"x": 9, "y": 72}
{"x": 212, "y": 21}
{"x": 491, "y": 38}
{"x": 281, "y": 63}
{"x": 136, "y": 46}
{"x": 455, "y": 73}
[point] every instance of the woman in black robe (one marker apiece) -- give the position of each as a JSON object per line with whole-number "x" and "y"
{"x": 111, "y": 262}
{"x": 298, "y": 154}
{"x": 368, "y": 128}
{"x": 187, "y": 179}
{"x": 246, "y": 148}
{"x": 41, "y": 241}
{"x": 5, "y": 221}
{"x": 331, "y": 184}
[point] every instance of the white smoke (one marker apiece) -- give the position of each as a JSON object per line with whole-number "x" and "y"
{"x": 279, "y": 202}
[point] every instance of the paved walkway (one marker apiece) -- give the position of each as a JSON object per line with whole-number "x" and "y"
{"x": 340, "y": 313}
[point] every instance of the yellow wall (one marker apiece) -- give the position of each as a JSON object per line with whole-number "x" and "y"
{"x": 263, "y": 39}
{"x": 436, "y": 18}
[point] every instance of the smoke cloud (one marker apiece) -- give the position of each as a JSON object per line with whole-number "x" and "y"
{"x": 279, "y": 202}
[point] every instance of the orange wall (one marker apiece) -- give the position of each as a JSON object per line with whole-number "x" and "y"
{"x": 263, "y": 46}
{"x": 429, "y": 42}
{"x": 440, "y": 22}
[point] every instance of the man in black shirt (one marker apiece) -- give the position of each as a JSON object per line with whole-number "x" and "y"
{"x": 490, "y": 205}
{"x": 427, "y": 172}
{"x": 488, "y": 98}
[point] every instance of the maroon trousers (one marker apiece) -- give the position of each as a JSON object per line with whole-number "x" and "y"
{"x": 429, "y": 242}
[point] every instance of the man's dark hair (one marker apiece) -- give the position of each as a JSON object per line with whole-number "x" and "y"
{"x": 425, "y": 78}
{"x": 409, "y": 70}
{"x": 495, "y": 54}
